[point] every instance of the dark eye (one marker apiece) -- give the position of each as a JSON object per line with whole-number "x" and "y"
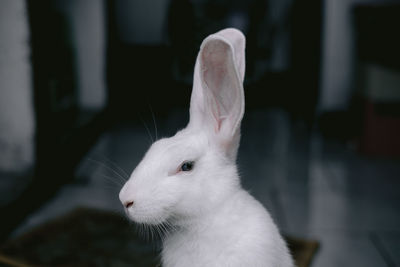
{"x": 187, "y": 166}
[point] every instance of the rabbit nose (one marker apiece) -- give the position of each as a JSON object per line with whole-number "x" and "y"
{"x": 128, "y": 204}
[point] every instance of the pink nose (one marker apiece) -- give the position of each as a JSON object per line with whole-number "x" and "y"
{"x": 128, "y": 204}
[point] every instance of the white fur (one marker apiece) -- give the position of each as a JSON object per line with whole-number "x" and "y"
{"x": 215, "y": 221}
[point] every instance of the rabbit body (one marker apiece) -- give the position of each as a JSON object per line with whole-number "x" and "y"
{"x": 238, "y": 233}
{"x": 190, "y": 181}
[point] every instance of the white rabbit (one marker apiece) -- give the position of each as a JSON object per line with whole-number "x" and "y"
{"x": 190, "y": 180}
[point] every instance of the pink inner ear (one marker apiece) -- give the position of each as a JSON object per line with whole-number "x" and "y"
{"x": 215, "y": 76}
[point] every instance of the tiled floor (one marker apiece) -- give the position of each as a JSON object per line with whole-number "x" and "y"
{"x": 313, "y": 188}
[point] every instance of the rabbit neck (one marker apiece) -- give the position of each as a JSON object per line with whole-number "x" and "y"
{"x": 222, "y": 210}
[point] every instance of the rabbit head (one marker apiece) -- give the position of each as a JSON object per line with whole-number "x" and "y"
{"x": 186, "y": 175}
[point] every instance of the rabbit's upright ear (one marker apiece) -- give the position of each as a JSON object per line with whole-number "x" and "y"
{"x": 217, "y": 103}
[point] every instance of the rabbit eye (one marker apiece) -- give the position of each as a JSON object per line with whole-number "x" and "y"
{"x": 187, "y": 166}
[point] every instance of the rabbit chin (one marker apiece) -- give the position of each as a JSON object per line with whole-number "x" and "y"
{"x": 148, "y": 216}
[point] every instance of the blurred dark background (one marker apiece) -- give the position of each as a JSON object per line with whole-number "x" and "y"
{"x": 84, "y": 78}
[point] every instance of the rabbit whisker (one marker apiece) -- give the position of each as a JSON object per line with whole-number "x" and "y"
{"x": 147, "y": 129}
{"x": 123, "y": 172}
{"x": 111, "y": 179}
{"x": 154, "y": 122}
{"x": 119, "y": 175}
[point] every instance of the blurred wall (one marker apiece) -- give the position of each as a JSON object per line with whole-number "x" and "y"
{"x": 17, "y": 125}
{"x": 338, "y": 54}
{"x": 142, "y": 22}
{"x": 87, "y": 24}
